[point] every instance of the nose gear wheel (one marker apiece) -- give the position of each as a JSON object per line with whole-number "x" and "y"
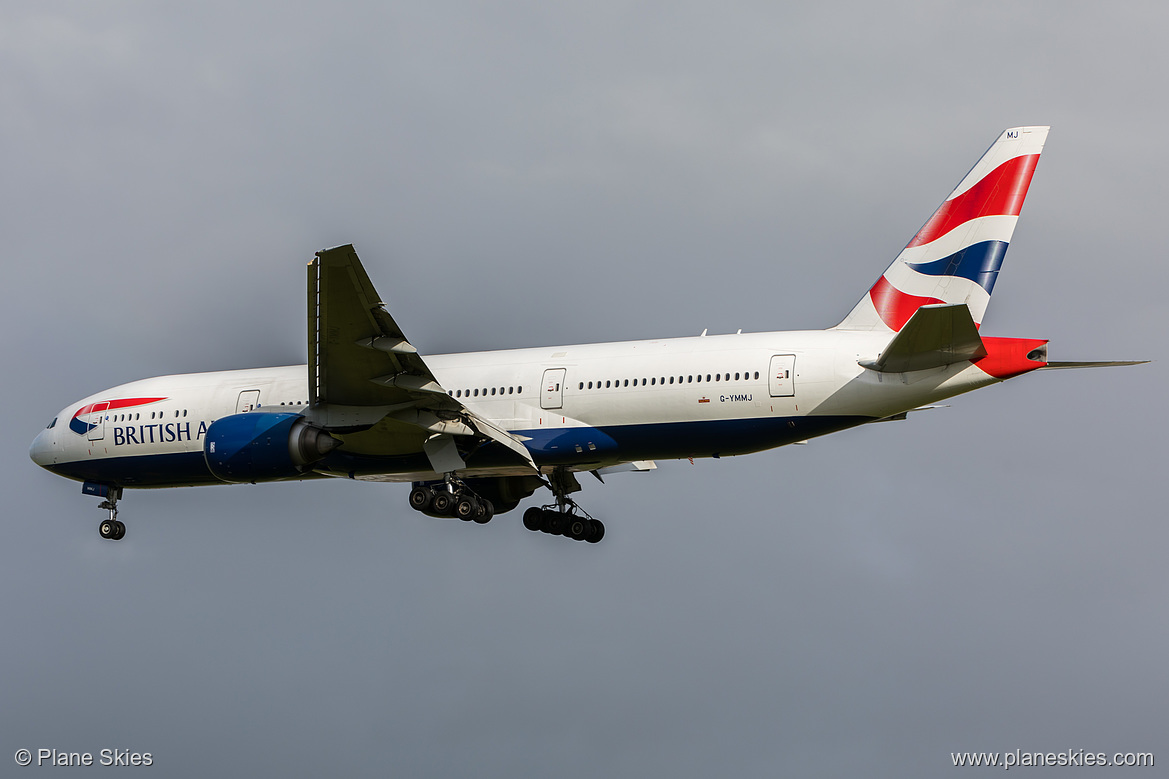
{"x": 111, "y": 528}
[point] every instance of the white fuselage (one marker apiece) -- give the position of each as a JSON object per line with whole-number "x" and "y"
{"x": 581, "y": 405}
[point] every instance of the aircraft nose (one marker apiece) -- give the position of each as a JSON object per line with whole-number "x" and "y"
{"x": 41, "y": 450}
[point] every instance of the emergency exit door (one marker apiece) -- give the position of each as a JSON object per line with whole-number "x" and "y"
{"x": 552, "y": 393}
{"x": 782, "y": 379}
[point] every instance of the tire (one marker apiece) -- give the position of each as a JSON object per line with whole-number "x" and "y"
{"x": 119, "y": 530}
{"x": 534, "y": 519}
{"x": 466, "y": 507}
{"x": 576, "y": 528}
{"x": 598, "y": 532}
{"x": 421, "y": 498}
{"x": 486, "y": 511}
{"x": 106, "y": 528}
{"x": 553, "y": 523}
{"x": 443, "y": 504}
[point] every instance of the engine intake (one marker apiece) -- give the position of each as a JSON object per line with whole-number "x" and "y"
{"x": 259, "y": 446}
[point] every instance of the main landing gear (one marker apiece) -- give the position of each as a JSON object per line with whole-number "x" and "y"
{"x": 564, "y": 517}
{"x": 452, "y": 498}
{"x": 112, "y": 528}
{"x": 557, "y": 522}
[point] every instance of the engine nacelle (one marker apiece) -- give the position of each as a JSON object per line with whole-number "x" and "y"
{"x": 259, "y": 446}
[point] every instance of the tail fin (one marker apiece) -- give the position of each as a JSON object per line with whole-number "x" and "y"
{"x": 955, "y": 256}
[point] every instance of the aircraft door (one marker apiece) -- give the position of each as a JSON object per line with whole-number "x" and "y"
{"x": 782, "y": 378}
{"x": 98, "y": 430}
{"x": 552, "y": 392}
{"x": 248, "y": 400}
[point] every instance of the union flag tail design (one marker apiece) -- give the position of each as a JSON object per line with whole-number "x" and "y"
{"x": 955, "y": 257}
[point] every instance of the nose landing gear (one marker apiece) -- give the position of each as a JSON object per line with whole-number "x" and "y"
{"x": 111, "y": 528}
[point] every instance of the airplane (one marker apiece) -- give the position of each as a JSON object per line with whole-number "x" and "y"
{"x": 477, "y": 433}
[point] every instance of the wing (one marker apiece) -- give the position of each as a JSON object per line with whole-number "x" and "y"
{"x": 370, "y": 386}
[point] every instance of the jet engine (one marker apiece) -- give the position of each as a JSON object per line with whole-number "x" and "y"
{"x": 259, "y": 446}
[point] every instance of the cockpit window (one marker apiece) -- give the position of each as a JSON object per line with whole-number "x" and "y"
{"x": 51, "y": 424}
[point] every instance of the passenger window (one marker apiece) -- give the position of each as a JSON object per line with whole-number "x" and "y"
{"x": 476, "y": 392}
{"x": 708, "y": 377}
{"x": 654, "y": 380}
{"x": 606, "y": 385}
{"x": 510, "y": 390}
{"x": 690, "y": 379}
{"x": 590, "y": 385}
{"x": 519, "y": 389}
{"x": 756, "y": 374}
{"x": 736, "y": 377}
{"x": 671, "y": 379}
{"x": 627, "y": 382}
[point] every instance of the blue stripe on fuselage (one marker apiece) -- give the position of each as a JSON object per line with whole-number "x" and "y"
{"x": 177, "y": 469}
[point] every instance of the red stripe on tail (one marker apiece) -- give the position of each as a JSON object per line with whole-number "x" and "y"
{"x": 894, "y": 306}
{"x": 1000, "y": 193}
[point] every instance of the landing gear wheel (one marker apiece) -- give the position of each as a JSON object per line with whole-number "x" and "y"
{"x": 106, "y": 528}
{"x": 577, "y": 528}
{"x": 534, "y": 519}
{"x": 486, "y": 511}
{"x": 598, "y": 532}
{"x": 421, "y": 498}
{"x": 466, "y": 507}
{"x": 119, "y": 530}
{"x": 553, "y": 522}
{"x": 443, "y": 504}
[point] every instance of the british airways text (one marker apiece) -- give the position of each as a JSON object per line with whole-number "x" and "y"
{"x": 160, "y": 433}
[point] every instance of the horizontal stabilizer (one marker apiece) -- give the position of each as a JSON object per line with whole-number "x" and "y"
{"x": 1106, "y": 364}
{"x": 637, "y": 466}
{"x": 935, "y": 335}
{"x": 905, "y": 414}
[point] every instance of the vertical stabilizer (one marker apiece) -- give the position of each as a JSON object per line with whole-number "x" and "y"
{"x": 955, "y": 257}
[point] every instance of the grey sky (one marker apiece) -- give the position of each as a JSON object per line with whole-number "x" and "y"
{"x": 985, "y": 577}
